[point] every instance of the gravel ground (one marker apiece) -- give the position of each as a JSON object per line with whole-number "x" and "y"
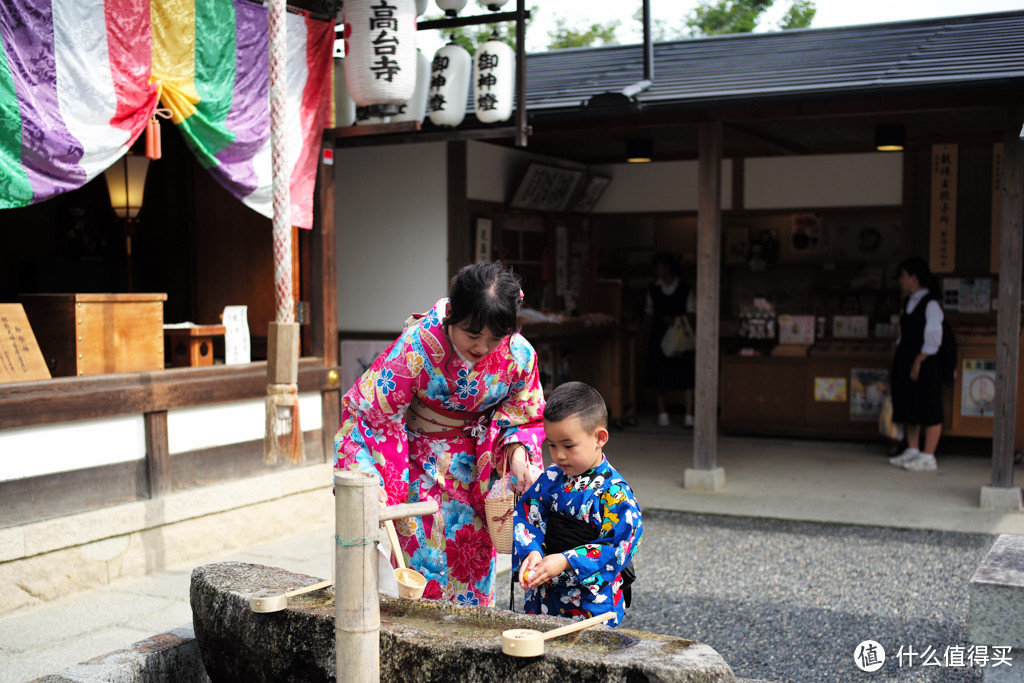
{"x": 791, "y": 601}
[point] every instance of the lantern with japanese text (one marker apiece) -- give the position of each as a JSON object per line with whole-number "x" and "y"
{"x": 494, "y": 81}
{"x": 416, "y": 108}
{"x": 493, "y": 5}
{"x": 449, "y": 85}
{"x": 380, "y": 51}
{"x": 451, "y": 7}
{"x": 344, "y": 107}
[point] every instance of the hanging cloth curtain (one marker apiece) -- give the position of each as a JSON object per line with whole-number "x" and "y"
{"x": 79, "y": 81}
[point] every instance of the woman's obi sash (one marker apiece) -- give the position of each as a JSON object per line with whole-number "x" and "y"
{"x": 441, "y": 423}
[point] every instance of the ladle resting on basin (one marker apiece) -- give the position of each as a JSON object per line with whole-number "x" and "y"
{"x": 525, "y": 642}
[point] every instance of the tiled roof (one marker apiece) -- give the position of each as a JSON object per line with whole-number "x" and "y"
{"x": 953, "y": 53}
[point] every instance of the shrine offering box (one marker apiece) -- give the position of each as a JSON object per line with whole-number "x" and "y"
{"x": 96, "y": 334}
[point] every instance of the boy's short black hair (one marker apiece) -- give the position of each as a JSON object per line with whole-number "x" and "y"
{"x": 576, "y": 399}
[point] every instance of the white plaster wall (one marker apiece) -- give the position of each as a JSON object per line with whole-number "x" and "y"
{"x": 62, "y": 447}
{"x": 391, "y": 211}
{"x": 192, "y": 429}
{"x": 657, "y": 186}
{"x": 874, "y": 179}
{"x": 495, "y": 171}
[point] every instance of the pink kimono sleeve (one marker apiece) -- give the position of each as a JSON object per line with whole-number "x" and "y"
{"x": 372, "y": 436}
{"x": 519, "y": 418}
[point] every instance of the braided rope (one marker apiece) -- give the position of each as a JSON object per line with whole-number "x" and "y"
{"x": 280, "y": 168}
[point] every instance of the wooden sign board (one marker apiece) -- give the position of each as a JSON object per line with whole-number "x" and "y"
{"x": 943, "y": 218}
{"x": 20, "y": 357}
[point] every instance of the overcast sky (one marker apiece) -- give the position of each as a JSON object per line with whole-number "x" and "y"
{"x": 830, "y": 13}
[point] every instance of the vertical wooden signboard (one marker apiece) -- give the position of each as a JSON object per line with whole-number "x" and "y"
{"x": 997, "y": 204}
{"x": 943, "y": 214}
{"x": 20, "y": 357}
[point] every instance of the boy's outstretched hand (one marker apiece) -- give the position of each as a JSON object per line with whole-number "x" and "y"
{"x": 537, "y": 569}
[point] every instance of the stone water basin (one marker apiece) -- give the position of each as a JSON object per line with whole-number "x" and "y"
{"x": 421, "y": 640}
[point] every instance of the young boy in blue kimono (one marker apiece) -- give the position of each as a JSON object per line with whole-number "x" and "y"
{"x": 577, "y": 528}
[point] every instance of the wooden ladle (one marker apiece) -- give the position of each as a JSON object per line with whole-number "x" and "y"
{"x": 411, "y": 583}
{"x": 269, "y": 600}
{"x": 526, "y": 642}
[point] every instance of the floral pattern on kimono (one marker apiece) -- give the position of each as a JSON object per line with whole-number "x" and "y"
{"x": 451, "y": 548}
{"x": 592, "y": 583}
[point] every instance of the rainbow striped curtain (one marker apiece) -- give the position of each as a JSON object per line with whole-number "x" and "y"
{"x": 80, "y": 78}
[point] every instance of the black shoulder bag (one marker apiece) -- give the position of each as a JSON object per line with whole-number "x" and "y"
{"x": 565, "y": 533}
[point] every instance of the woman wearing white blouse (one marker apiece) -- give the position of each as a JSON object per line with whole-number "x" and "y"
{"x": 916, "y": 382}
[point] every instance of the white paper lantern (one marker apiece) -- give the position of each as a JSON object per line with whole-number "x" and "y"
{"x": 493, "y": 5}
{"x": 449, "y": 85}
{"x": 344, "y": 106}
{"x": 421, "y": 6}
{"x": 494, "y": 81}
{"x": 451, "y": 7}
{"x": 380, "y": 50}
{"x": 416, "y": 108}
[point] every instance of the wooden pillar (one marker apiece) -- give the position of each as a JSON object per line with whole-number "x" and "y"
{"x": 323, "y": 296}
{"x": 158, "y": 456}
{"x": 709, "y": 259}
{"x": 1008, "y": 339}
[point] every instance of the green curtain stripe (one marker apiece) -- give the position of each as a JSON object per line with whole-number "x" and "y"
{"x": 215, "y": 48}
{"x": 15, "y": 188}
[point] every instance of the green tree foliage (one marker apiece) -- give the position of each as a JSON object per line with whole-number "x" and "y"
{"x": 717, "y": 17}
{"x": 565, "y": 35}
{"x": 471, "y": 37}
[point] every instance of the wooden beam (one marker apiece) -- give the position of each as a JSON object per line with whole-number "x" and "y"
{"x": 1008, "y": 321}
{"x": 158, "y": 456}
{"x": 709, "y": 259}
{"x": 65, "y": 399}
{"x": 323, "y": 295}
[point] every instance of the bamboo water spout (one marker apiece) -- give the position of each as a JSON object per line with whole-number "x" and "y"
{"x": 356, "y": 602}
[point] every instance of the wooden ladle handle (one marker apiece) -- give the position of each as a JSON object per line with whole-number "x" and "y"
{"x": 577, "y": 625}
{"x": 309, "y": 589}
{"x": 395, "y": 548}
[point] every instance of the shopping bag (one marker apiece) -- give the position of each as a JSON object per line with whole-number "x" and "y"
{"x": 888, "y": 428}
{"x": 499, "y": 507}
{"x": 678, "y": 338}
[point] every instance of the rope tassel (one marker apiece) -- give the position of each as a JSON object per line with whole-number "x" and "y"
{"x": 154, "y": 148}
{"x": 282, "y": 408}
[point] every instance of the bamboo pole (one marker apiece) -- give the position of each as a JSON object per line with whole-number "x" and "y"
{"x": 356, "y": 605}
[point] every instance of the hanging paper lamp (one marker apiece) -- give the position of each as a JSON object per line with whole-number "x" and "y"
{"x": 344, "y": 106}
{"x": 494, "y": 81}
{"x": 449, "y": 85}
{"x": 421, "y": 7}
{"x": 380, "y": 50}
{"x": 451, "y": 7}
{"x": 493, "y": 5}
{"x": 416, "y": 108}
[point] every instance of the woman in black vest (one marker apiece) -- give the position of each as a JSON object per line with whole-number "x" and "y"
{"x": 667, "y": 298}
{"x": 916, "y": 382}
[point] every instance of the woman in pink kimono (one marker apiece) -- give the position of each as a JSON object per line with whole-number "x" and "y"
{"x": 436, "y": 415}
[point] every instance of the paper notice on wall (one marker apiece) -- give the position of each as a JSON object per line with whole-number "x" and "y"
{"x": 236, "y": 335}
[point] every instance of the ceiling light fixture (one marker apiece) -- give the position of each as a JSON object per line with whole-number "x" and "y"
{"x": 890, "y": 137}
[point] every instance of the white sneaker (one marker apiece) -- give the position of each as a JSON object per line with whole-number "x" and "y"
{"x": 904, "y": 457}
{"x": 688, "y": 421}
{"x": 924, "y": 462}
{"x": 663, "y": 420}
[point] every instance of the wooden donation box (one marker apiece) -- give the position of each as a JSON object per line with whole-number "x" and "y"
{"x": 192, "y": 345}
{"x": 96, "y": 334}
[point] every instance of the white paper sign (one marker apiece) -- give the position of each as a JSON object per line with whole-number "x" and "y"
{"x": 236, "y": 336}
